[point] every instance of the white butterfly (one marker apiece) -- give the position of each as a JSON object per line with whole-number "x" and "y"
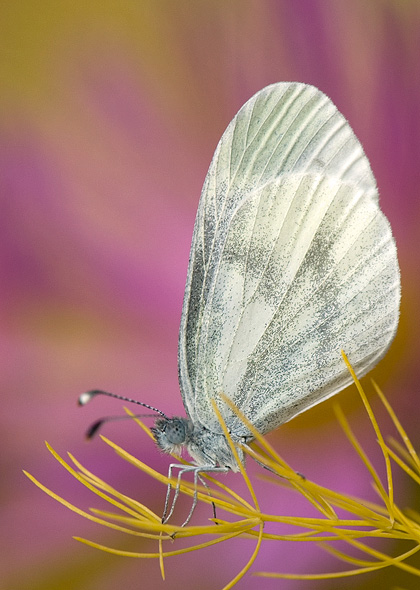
{"x": 291, "y": 261}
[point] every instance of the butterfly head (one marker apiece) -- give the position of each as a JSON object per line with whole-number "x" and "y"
{"x": 172, "y": 433}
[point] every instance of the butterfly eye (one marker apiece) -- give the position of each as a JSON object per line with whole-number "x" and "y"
{"x": 175, "y": 431}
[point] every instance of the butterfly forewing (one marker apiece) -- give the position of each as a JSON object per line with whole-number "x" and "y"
{"x": 291, "y": 261}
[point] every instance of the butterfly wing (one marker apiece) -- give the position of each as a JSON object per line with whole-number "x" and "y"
{"x": 291, "y": 261}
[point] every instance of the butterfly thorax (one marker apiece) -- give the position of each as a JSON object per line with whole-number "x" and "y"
{"x": 207, "y": 448}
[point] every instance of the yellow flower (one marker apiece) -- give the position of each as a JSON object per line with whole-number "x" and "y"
{"x": 382, "y": 520}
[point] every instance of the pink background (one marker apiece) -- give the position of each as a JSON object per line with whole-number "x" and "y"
{"x": 109, "y": 116}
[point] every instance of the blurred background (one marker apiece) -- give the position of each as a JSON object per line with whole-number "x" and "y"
{"x": 109, "y": 116}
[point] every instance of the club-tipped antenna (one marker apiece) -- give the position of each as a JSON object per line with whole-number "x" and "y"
{"x": 93, "y": 428}
{"x": 88, "y": 395}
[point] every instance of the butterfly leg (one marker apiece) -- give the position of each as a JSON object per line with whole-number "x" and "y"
{"x": 269, "y": 468}
{"x": 206, "y": 485}
{"x": 197, "y": 471}
{"x": 166, "y": 516}
{"x": 195, "y": 497}
{"x": 167, "y": 512}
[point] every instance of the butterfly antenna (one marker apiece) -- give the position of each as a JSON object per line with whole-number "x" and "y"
{"x": 88, "y": 395}
{"x": 93, "y": 428}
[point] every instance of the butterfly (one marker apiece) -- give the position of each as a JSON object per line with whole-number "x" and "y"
{"x": 292, "y": 261}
